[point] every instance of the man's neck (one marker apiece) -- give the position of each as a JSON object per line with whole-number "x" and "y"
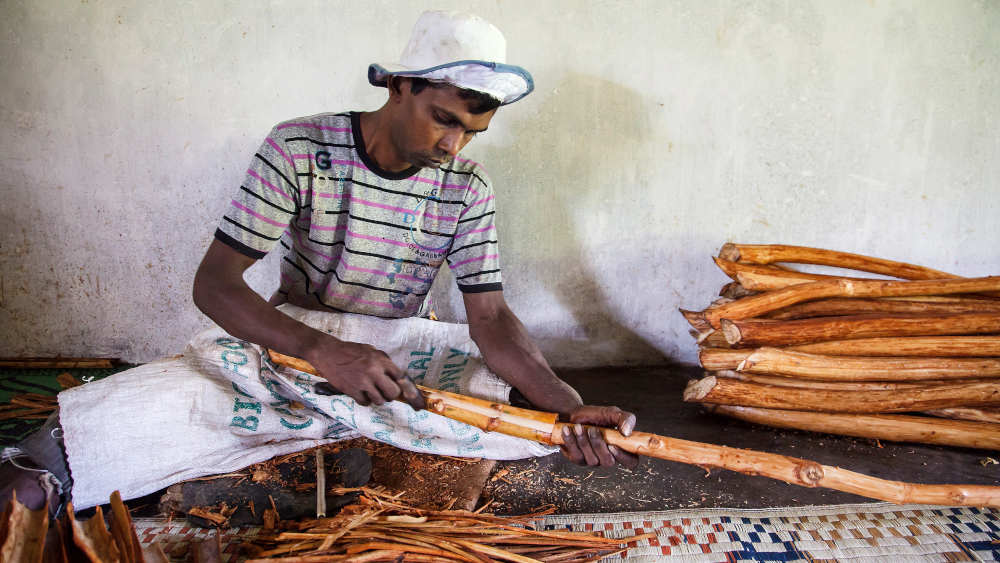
{"x": 378, "y": 144}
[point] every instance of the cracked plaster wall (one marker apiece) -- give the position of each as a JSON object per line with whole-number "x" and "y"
{"x": 659, "y": 130}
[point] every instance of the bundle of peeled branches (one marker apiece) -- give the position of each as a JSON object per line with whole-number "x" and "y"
{"x": 381, "y": 527}
{"x": 847, "y": 355}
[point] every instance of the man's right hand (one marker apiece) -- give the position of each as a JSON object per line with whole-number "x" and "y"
{"x": 363, "y": 372}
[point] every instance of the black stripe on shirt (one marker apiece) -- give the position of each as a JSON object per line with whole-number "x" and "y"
{"x": 461, "y": 248}
{"x": 279, "y": 173}
{"x": 359, "y": 284}
{"x": 473, "y": 174}
{"x": 325, "y": 304}
{"x": 479, "y": 217}
{"x": 404, "y": 227}
{"x": 410, "y": 194}
{"x": 389, "y": 258}
{"x": 314, "y": 141}
{"x": 249, "y": 230}
{"x": 480, "y": 288}
{"x": 278, "y": 207}
{"x": 238, "y": 246}
{"x": 350, "y": 250}
{"x": 299, "y": 268}
{"x": 479, "y": 273}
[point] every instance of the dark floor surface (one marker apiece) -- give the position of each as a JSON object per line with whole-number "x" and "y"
{"x": 654, "y": 395}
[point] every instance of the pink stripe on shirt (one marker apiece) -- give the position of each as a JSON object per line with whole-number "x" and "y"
{"x": 281, "y": 152}
{"x": 304, "y": 246}
{"x": 237, "y": 205}
{"x": 483, "y": 230}
{"x": 377, "y": 239}
{"x": 388, "y": 207}
{"x": 358, "y": 300}
{"x": 476, "y": 259}
{"x": 315, "y": 126}
{"x": 346, "y": 266}
{"x": 466, "y": 209}
{"x": 269, "y": 185}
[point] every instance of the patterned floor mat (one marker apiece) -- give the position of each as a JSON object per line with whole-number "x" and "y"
{"x": 863, "y": 532}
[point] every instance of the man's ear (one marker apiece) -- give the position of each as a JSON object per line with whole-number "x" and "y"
{"x": 395, "y": 85}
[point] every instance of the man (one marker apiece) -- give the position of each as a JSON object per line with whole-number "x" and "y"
{"x": 367, "y": 207}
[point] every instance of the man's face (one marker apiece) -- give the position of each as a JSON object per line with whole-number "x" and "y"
{"x": 431, "y": 127}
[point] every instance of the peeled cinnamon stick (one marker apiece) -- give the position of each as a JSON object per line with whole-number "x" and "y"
{"x": 714, "y": 359}
{"x": 845, "y": 306}
{"x": 864, "y": 368}
{"x": 731, "y": 269}
{"x": 755, "y": 332}
{"x": 963, "y": 413}
{"x": 758, "y": 305}
{"x": 770, "y": 253}
{"x": 941, "y": 346}
{"x": 780, "y": 381}
{"x": 724, "y": 391}
{"x": 894, "y": 427}
{"x": 789, "y": 469}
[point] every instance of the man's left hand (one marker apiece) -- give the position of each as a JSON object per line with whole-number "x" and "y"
{"x": 587, "y": 446}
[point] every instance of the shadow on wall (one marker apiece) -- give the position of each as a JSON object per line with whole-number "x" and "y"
{"x": 591, "y": 137}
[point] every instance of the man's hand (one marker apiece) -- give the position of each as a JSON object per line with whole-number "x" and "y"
{"x": 363, "y": 372}
{"x": 588, "y": 447}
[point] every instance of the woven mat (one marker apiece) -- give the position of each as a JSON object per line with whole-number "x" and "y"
{"x": 870, "y": 532}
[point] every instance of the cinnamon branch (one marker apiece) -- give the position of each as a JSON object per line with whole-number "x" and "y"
{"x": 763, "y": 332}
{"x": 770, "y": 253}
{"x": 791, "y": 470}
{"x": 861, "y": 368}
{"x": 894, "y": 427}
{"x": 725, "y": 391}
{"x": 757, "y": 305}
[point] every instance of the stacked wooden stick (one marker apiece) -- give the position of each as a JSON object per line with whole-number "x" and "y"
{"x": 847, "y": 355}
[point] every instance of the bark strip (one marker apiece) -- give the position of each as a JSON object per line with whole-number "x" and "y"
{"x": 770, "y": 253}
{"x": 941, "y": 346}
{"x": 758, "y": 305}
{"x": 755, "y": 332}
{"x": 844, "y": 306}
{"x": 724, "y": 391}
{"x": 863, "y": 368}
{"x": 962, "y": 413}
{"x": 894, "y": 427}
{"x": 779, "y": 381}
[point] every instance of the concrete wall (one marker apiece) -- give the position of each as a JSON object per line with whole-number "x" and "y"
{"x": 659, "y": 130}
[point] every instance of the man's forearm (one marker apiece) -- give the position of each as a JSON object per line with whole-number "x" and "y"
{"x": 511, "y": 354}
{"x": 244, "y": 314}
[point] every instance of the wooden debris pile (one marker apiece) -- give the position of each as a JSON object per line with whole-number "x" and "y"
{"x": 23, "y": 536}
{"x": 847, "y": 355}
{"x": 381, "y": 527}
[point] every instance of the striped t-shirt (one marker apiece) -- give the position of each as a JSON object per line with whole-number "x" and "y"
{"x": 357, "y": 238}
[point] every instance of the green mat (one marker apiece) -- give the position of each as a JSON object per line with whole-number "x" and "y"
{"x": 42, "y": 381}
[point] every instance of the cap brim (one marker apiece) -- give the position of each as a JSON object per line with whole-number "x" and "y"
{"x": 378, "y": 73}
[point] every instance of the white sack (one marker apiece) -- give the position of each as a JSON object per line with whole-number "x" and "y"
{"x": 217, "y": 409}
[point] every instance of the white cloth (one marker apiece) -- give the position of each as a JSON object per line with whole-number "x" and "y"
{"x": 219, "y": 408}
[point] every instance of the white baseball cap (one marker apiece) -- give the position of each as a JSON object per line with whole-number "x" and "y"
{"x": 461, "y": 49}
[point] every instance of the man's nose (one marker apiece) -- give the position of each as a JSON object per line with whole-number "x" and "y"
{"x": 451, "y": 143}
